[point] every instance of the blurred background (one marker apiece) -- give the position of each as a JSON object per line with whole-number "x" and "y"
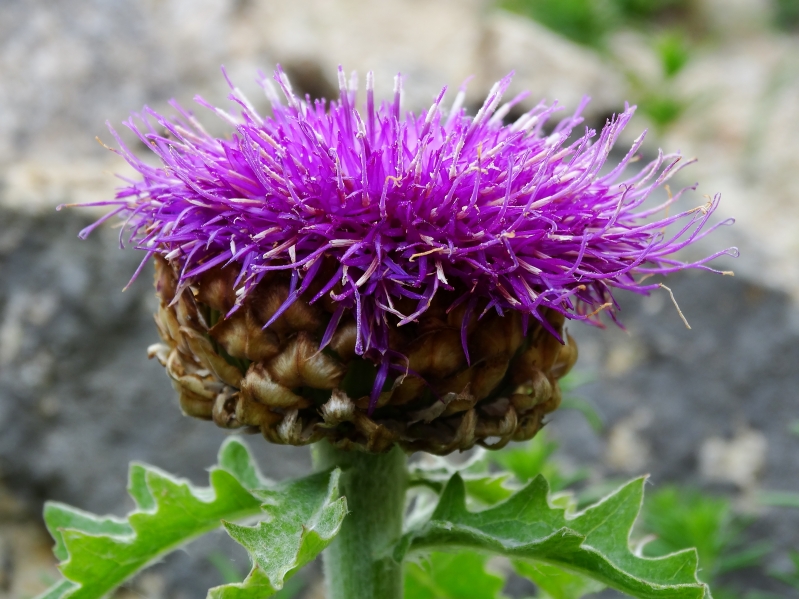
{"x": 713, "y": 410}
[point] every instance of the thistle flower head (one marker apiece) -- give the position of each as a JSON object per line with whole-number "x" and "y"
{"x": 498, "y": 217}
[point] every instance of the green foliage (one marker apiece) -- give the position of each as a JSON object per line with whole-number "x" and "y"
{"x": 583, "y": 21}
{"x": 518, "y": 465}
{"x": 680, "y": 517}
{"x": 472, "y": 513}
{"x": 556, "y": 583}
{"x": 99, "y": 553}
{"x": 672, "y": 49}
{"x": 589, "y": 22}
{"x": 528, "y": 460}
{"x": 593, "y": 543}
{"x": 786, "y": 14}
{"x": 649, "y": 10}
{"x": 661, "y": 108}
{"x": 304, "y": 516}
{"x": 459, "y": 575}
{"x": 482, "y": 486}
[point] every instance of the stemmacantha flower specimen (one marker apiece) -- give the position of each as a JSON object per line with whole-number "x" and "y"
{"x": 375, "y": 277}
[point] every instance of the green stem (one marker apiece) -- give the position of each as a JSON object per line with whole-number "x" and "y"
{"x": 358, "y": 563}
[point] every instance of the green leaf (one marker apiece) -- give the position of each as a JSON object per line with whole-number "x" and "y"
{"x": 594, "y": 542}
{"x": 583, "y": 21}
{"x": 58, "y": 517}
{"x": 481, "y": 485}
{"x": 527, "y": 460}
{"x": 556, "y": 583}
{"x": 304, "y": 516}
{"x": 489, "y": 490}
{"x": 672, "y": 49}
{"x": 59, "y": 590}
{"x": 459, "y": 575}
{"x": 234, "y": 457}
{"x": 99, "y": 553}
{"x": 662, "y": 108}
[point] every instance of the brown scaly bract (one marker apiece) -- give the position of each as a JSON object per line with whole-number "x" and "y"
{"x": 276, "y": 379}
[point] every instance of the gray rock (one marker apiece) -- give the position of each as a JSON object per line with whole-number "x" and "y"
{"x": 78, "y": 397}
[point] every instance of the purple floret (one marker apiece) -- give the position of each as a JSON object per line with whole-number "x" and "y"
{"x": 510, "y": 217}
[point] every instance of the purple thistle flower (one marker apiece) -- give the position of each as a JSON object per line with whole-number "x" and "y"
{"x": 508, "y": 216}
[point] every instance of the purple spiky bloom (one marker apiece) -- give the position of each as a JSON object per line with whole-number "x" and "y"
{"x": 510, "y": 217}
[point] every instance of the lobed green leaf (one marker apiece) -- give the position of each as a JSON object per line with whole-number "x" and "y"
{"x": 305, "y": 516}
{"x": 593, "y": 543}
{"x": 100, "y": 553}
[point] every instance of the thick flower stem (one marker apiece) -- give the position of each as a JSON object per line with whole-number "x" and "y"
{"x": 358, "y": 564}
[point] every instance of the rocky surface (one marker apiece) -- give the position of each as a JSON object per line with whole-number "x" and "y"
{"x": 78, "y": 399}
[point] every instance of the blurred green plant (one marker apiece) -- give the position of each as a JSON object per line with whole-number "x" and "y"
{"x": 527, "y": 460}
{"x": 660, "y": 107}
{"x": 650, "y": 10}
{"x": 658, "y": 99}
{"x": 681, "y": 517}
{"x": 786, "y": 14}
{"x": 589, "y": 22}
{"x": 556, "y": 583}
{"x": 230, "y": 574}
{"x": 673, "y": 52}
{"x": 568, "y": 384}
{"x": 583, "y": 21}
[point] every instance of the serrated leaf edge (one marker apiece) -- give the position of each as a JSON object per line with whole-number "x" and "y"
{"x": 455, "y": 490}
{"x": 333, "y": 503}
{"x": 67, "y": 536}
